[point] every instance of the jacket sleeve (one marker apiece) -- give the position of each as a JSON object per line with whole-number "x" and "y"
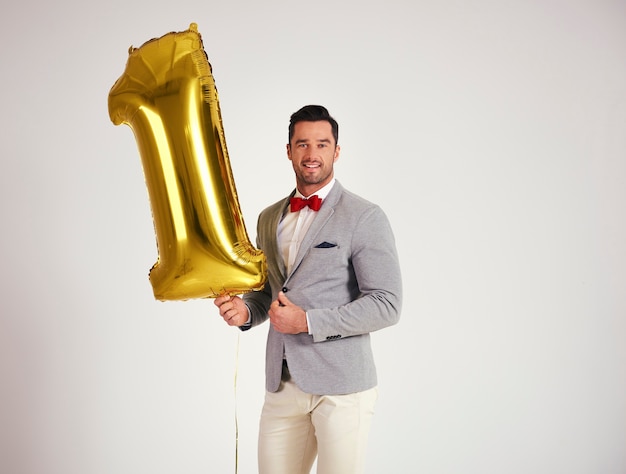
{"x": 376, "y": 268}
{"x": 259, "y": 302}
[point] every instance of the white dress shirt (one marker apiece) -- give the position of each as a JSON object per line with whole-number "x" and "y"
{"x": 294, "y": 226}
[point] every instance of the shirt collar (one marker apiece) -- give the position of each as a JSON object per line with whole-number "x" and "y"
{"x": 321, "y": 193}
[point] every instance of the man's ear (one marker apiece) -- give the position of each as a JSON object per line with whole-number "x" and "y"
{"x": 288, "y": 151}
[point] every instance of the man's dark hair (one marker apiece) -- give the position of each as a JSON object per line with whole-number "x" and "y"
{"x": 313, "y": 113}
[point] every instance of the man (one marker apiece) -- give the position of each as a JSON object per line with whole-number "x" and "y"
{"x": 333, "y": 277}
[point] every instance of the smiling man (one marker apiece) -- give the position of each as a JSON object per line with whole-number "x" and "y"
{"x": 312, "y": 154}
{"x": 333, "y": 278}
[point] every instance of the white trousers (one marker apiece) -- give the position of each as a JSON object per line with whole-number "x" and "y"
{"x": 296, "y": 426}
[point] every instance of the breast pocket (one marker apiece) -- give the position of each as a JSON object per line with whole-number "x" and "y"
{"x": 327, "y": 255}
{"x": 325, "y": 245}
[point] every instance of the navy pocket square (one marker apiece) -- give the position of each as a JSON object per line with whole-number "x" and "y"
{"x": 325, "y": 245}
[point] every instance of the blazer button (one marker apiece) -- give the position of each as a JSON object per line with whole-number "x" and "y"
{"x": 285, "y": 289}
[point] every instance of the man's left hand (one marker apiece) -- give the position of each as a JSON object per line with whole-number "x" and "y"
{"x": 287, "y": 317}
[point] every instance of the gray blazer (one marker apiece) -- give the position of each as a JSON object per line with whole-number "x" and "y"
{"x": 347, "y": 277}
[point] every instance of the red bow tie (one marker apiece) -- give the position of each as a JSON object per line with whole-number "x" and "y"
{"x": 314, "y": 202}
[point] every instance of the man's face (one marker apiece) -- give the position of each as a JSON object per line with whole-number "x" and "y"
{"x": 312, "y": 152}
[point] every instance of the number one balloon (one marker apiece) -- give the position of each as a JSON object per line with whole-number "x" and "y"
{"x": 167, "y": 96}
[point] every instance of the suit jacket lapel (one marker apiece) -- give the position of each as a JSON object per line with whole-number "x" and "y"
{"x": 325, "y": 212}
{"x": 275, "y": 258}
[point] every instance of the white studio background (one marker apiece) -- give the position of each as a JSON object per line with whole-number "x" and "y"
{"x": 492, "y": 133}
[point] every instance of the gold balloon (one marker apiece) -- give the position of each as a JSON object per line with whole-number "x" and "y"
{"x": 167, "y": 96}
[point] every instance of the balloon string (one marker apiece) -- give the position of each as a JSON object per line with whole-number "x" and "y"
{"x": 235, "y": 390}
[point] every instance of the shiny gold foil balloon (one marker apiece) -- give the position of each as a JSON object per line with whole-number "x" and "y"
{"x": 167, "y": 96}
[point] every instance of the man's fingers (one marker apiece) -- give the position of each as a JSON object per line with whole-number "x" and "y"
{"x": 282, "y": 299}
{"x": 220, "y": 300}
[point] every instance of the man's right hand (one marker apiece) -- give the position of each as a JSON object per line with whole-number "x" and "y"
{"x": 232, "y": 309}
